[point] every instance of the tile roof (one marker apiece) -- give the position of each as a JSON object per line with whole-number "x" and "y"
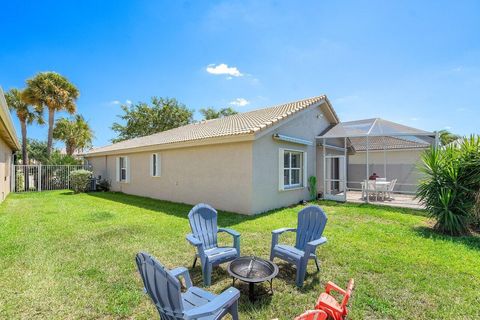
{"x": 245, "y": 123}
{"x": 390, "y": 143}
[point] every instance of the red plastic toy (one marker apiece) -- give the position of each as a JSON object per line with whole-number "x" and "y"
{"x": 327, "y": 303}
{"x": 313, "y": 315}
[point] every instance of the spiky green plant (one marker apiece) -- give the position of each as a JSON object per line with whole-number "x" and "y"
{"x": 452, "y": 178}
{"x": 312, "y": 187}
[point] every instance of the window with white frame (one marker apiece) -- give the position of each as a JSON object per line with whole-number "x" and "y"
{"x": 122, "y": 169}
{"x": 292, "y": 173}
{"x": 155, "y": 165}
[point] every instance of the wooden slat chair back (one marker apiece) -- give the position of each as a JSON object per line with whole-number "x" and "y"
{"x": 203, "y": 221}
{"x": 162, "y": 287}
{"x": 311, "y": 223}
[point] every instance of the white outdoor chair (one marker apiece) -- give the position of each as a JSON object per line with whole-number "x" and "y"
{"x": 390, "y": 188}
{"x": 369, "y": 186}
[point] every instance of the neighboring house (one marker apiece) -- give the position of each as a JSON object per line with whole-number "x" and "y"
{"x": 389, "y": 157}
{"x": 247, "y": 163}
{"x": 8, "y": 146}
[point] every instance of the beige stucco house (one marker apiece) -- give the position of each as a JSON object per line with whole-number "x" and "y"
{"x": 246, "y": 163}
{"x": 8, "y": 146}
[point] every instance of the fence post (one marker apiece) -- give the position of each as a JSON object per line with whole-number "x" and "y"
{"x": 40, "y": 177}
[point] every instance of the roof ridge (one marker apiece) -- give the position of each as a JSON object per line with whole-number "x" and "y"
{"x": 242, "y": 123}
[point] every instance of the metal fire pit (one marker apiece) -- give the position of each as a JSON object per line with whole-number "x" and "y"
{"x": 252, "y": 270}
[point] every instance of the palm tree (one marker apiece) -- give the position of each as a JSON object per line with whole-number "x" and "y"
{"x": 53, "y": 91}
{"x": 25, "y": 115}
{"x": 447, "y": 137}
{"x": 75, "y": 133}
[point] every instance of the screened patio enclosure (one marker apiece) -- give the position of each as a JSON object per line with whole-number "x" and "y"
{"x": 372, "y": 160}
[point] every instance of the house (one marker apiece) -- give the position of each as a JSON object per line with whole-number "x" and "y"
{"x": 8, "y": 146}
{"x": 247, "y": 163}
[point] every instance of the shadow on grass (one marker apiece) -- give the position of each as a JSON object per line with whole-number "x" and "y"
{"x": 472, "y": 241}
{"x": 173, "y": 208}
{"x": 415, "y": 212}
{"x": 262, "y": 290}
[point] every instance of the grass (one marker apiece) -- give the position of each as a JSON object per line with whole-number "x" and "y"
{"x": 65, "y": 256}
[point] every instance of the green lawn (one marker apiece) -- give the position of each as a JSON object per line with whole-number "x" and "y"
{"x": 65, "y": 256}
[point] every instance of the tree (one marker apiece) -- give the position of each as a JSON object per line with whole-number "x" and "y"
{"x": 25, "y": 114}
{"x": 211, "y": 113}
{"x": 447, "y": 137}
{"x": 52, "y": 91}
{"x": 75, "y": 133}
{"x": 142, "y": 119}
{"x": 37, "y": 150}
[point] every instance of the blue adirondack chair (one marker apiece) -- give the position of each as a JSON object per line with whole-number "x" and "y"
{"x": 203, "y": 222}
{"x": 164, "y": 288}
{"x": 311, "y": 223}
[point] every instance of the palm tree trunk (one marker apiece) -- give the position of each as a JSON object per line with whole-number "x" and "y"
{"x": 23, "y": 125}
{"x": 51, "y": 118}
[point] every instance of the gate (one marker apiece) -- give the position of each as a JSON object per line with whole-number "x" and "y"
{"x": 31, "y": 178}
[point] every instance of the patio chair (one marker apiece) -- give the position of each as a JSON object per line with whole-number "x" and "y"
{"x": 369, "y": 187}
{"x": 327, "y": 303}
{"x": 164, "y": 288}
{"x": 391, "y": 188}
{"x": 203, "y": 222}
{"x": 313, "y": 315}
{"x": 311, "y": 223}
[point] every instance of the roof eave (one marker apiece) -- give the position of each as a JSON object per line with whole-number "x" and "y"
{"x": 175, "y": 145}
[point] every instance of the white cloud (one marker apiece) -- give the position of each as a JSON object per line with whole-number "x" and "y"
{"x": 118, "y": 102}
{"x": 239, "y": 102}
{"x": 222, "y": 68}
{"x": 414, "y": 119}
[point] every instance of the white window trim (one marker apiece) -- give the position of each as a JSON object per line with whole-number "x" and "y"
{"x": 127, "y": 170}
{"x": 281, "y": 186}
{"x": 158, "y": 165}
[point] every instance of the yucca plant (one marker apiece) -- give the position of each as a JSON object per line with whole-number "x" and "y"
{"x": 451, "y": 180}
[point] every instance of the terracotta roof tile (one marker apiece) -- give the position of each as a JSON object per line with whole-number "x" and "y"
{"x": 240, "y": 124}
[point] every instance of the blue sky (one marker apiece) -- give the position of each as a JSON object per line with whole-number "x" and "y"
{"x": 413, "y": 62}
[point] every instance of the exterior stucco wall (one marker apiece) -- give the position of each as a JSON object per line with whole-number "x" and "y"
{"x": 401, "y": 165}
{"x": 5, "y": 169}
{"x": 266, "y": 194}
{"x": 220, "y": 175}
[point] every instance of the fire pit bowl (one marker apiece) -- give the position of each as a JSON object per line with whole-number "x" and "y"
{"x": 252, "y": 270}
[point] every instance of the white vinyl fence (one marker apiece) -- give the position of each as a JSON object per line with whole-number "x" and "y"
{"x": 31, "y": 178}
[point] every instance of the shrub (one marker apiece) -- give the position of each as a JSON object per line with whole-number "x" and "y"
{"x": 80, "y": 180}
{"x": 20, "y": 181}
{"x": 103, "y": 185}
{"x": 452, "y": 178}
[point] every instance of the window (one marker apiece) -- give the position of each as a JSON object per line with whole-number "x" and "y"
{"x": 292, "y": 164}
{"x": 123, "y": 169}
{"x": 155, "y": 165}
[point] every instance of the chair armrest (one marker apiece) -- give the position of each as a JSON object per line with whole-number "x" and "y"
{"x": 236, "y": 237}
{"x": 282, "y": 230}
{"x": 332, "y": 286}
{"x": 311, "y": 246}
{"x": 229, "y": 231}
{"x": 182, "y": 272}
{"x": 193, "y": 241}
{"x": 223, "y": 300}
{"x": 317, "y": 242}
{"x": 278, "y": 232}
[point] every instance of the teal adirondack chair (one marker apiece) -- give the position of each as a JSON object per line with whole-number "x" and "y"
{"x": 311, "y": 223}
{"x": 164, "y": 288}
{"x": 203, "y": 222}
